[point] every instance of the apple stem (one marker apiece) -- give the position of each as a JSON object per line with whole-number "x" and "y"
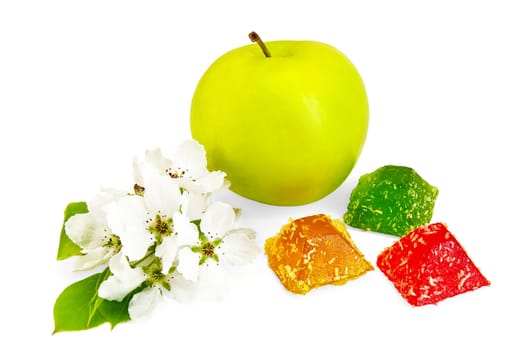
{"x": 254, "y": 37}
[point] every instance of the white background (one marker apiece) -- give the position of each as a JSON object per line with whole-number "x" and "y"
{"x": 87, "y": 85}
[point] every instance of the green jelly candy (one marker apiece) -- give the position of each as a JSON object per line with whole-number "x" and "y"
{"x": 392, "y": 199}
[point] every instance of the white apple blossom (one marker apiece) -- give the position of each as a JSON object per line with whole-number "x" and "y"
{"x": 155, "y": 283}
{"x": 143, "y": 303}
{"x": 152, "y": 227}
{"x": 141, "y": 221}
{"x": 187, "y": 167}
{"x": 185, "y": 233}
{"x": 90, "y": 231}
{"x": 124, "y": 279}
{"x": 166, "y": 238}
{"x": 221, "y": 245}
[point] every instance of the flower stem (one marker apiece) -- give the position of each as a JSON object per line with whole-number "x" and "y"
{"x": 254, "y": 37}
{"x": 148, "y": 255}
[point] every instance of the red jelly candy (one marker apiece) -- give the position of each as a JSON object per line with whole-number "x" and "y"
{"x": 429, "y": 265}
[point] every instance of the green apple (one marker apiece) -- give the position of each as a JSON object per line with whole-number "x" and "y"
{"x": 286, "y": 121}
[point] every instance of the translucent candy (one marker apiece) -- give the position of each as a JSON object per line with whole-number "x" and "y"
{"x": 392, "y": 199}
{"x": 314, "y": 251}
{"x": 428, "y": 265}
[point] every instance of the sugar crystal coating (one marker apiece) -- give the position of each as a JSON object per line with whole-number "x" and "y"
{"x": 313, "y": 251}
{"x": 392, "y": 199}
{"x": 428, "y": 265}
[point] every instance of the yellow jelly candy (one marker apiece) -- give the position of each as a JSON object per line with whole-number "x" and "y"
{"x": 314, "y": 251}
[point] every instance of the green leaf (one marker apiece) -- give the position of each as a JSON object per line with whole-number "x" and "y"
{"x": 75, "y": 307}
{"x": 66, "y": 247}
{"x": 79, "y": 307}
{"x": 116, "y": 312}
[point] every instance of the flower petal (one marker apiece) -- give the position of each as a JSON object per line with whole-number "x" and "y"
{"x": 217, "y": 220}
{"x": 188, "y": 264}
{"x": 161, "y": 194}
{"x": 106, "y": 196}
{"x": 92, "y": 258}
{"x": 154, "y": 161}
{"x": 123, "y": 281}
{"x": 143, "y": 303}
{"x": 167, "y": 251}
{"x": 213, "y": 284}
{"x": 212, "y": 181}
{"x": 238, "y": 248}
{"x": 194, "y": 204}
{"x": 127, "y": 218}
{"x": 251, "y": 234}
{"x": 208, "y": 182}
{"x": 190, "y": 156}
{"x": 86, "y": 230}
{"x": 187, "y": 232}
{"x": 182, "y": 289}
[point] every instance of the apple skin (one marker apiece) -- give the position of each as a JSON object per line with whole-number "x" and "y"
{"x": 287, "y": 129}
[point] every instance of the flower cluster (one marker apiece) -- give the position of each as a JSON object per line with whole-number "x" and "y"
{"x": 167, "y": 236}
